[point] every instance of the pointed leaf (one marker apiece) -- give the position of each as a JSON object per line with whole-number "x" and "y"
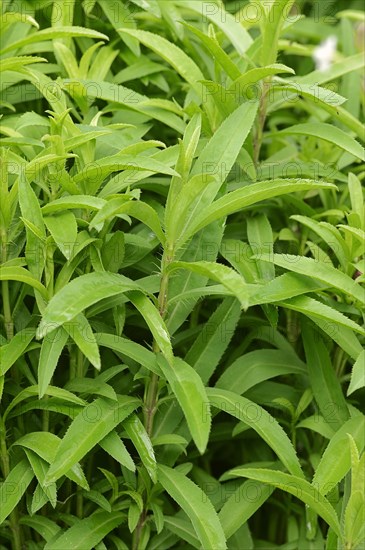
{"x": 259, "y": 420}
{"x": 89, "y": 427}
{"x": 196, "y": 505}
{"x": 79, "y": 294}
{"x": 192, "y": 398}
{"x": 296, "y": 486}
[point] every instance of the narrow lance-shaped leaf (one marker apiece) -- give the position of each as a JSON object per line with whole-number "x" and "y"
{"x": 358, "y": 374}
{"x": 219, "y": 155}
{"x": 79, "y": 294}
{"x": 81, "y": 332}
{"x": 45, "y": 445}
{"x": 139, "y": 210}
{"x": 261, "y": 421}
{"x": 51, "y": 349}
{"x": 278, "y": 13}
{"x": 63, "y": 229}
{"x": 325, "y": 384}
{"x": 318, "y": 270}
{"x": 10, "y": 352}
{"x": 192, "y": 398}
{"x": 89, "y": 427}
{"x": 114, "y": 445}
{"x": 246, "y": 196}
{"x": 196, "y": 505}
{"x": 225, "y": 21}
{"x": 22, "y": 275}
{"x": 140, "y": 439}
{"x": 296, "y": 486}
{"x": 336, "y": 459}
{"x": 13, "y": 488}
{"x": 176, "y": 57}
{"x": 154, "y": 321}
{"x": 329, "y": 133}
{"x": 51, "y": 34}
{"x": 220, "y": 273}
{"x": 87, "y": 533}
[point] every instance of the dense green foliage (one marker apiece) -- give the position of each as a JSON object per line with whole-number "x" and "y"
{"x": 182, "y": 230}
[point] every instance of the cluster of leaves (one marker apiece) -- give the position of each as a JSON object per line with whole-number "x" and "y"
{"x": 182, "y": 230}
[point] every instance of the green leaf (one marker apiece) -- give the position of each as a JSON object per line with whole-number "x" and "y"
{"x": 179, "y": 211}
{"x": 73, "y": 201}
{"x": 327, "y": 132}
{"x": 131, "y": 349}
{"x": 39, "y": 467}
{"x": 219, "y": 54}
{"x": 22, "y": 275}
{"x": 125, "y": 96}
{"x": 63, "y": 229}
{"x": 220, "y": 153}
{"x": 15, "y": 63}
{"x": 232, "y": 516}
{"x": 176, "y": 57}
{"x": 190, "y": 393}
{"x": 155, "y": 323}
{"x": 10, "y": 353}
{"x": 260, "y": 237}
{"x": 93, "y": 386}
{"x": 357, "y": 374}
{"x": 42, "y": 525}
{"x": 243, "y": 84}
{"x": 88, "y": 532}
{"x": 317, "y": 311}
{"x": 338, "y": 69}
{"x": 137, "y": 209}
{"x": 214, "y": 338}
{"x": 89, "y": 427}
{"x": 336, "y": 459}
{"x": 196, "y": 505}
{"x": 13, "y": 488}
{"x": 114, "y": 445}
{"x": 274, "y": 20}
{"x": 284, "y": 287}
{"x": 257, "y": 366}
{"x": 225, "y": 21}
{"x": 325, "y": 384}
{"x": 81, "y": 332}
{"x": 78, "y": 295}
{"x": 296, "y": 486}
{"x": 259, "y": 420}
{"x": 31, "y": 391}
{"x": 51, "y": 349}
{"x": 92, "y": 176}
{"x": 318, "y": 270}
{"x": 51, "y": 34}
{"x": 246, "y": 196}
{"x": 140, "y": 439}
{"x": 229, "y": 278}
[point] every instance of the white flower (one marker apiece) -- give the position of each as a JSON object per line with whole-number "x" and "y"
{"x": 324, "y": 54}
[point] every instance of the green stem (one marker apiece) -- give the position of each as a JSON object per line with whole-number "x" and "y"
{"x": 261, "y": 117}
{"x": 8, "y": 320}
{"x": 151, "y": 396}
{"x": 5, "y": 468}
{"x": 79, "y": 504}
{"x": 79, "y": 364}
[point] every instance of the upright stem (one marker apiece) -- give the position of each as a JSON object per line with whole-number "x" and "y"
{"x": 8, "y": 320}
{"x": 261, "y": 121}
{"x": 151, "y": 397}
{"x": 5, "y": 467}
{"x": 152, "y": 391}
